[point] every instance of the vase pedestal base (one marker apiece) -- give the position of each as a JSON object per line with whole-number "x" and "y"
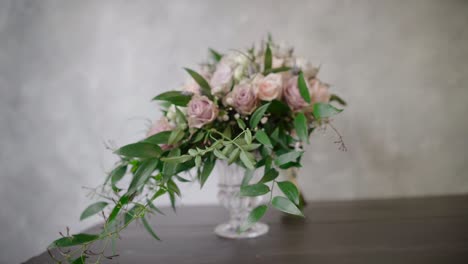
{"x": 227, "y": 230}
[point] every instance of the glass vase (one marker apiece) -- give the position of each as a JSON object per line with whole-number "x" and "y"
{"x": 229, "y": 182}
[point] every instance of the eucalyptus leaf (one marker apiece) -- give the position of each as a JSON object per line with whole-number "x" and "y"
{"x": 142, "y": 174}
{"x": 251, "y": 147}
{"x": 268, "y": 58}
{"x": 74, "y": 240}
{"x": 257, "y": 115}
{"x": 248, "y": 175}
{"x": 336, "y": 98}
{"x": 216, "y": 55}
{"x": 285, "y": 205}
{"x": 122, "y": 202}
{"x": 248, "y": 136}
{"x": 117, "y": 174}
{"x": 255, "y": 215}
{"x": 140, "y": 150}
{"x": 207, "y": 169}
{"x": 79, "y": 260}
{"x": 291, "y": 156}
{"x": 176, "y": 136}
{"x": 204, "y": 85}
{"x": 277, "y": 70}
{"x": 169, "y": 168}
{"x": 246, "y": 161}
{"x": 241, "y": 123}
{"x": 303, "y": 89}
{"x": 219, "y": 155}
{"x": 290, "y": 190}
{"x": 270, "y": 175}
{"x": 174, "y": 97}
{"x": 254, "y": 189}
{"x": 149, "y": 228}
{"x": 324, "y": 110}
{"x": 233, "y": 156}
{"x": 177, "y": 159}
{"x": 93, "y": 209}
{"x": 300, "y": 125}
{"x": 263, "y": 138}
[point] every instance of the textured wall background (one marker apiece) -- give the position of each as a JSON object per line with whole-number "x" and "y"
{"x": 74, "y": 74}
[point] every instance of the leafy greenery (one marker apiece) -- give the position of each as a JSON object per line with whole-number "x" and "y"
{"x": 267, "y": 141}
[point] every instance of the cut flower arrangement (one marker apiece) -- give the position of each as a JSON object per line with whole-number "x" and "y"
{"x": 253, "y": 109}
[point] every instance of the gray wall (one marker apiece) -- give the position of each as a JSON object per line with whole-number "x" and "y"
{"x": 74, "y": 74}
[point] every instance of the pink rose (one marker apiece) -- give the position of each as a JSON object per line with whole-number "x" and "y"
{"x": 222, "y": 79}
{"x": 318, "y": 91}
{"x": 292, "y": 96}
{"x": 160, "y": 126}
{"x": 243, "y": 98}
{"x": 268, "y": 88}
{"x": 201, "y": 111}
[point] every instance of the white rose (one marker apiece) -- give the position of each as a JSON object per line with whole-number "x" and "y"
{"x": 268, "y": 88}
{"x": 309, "y": 70}
{"x": 222, "y": 79}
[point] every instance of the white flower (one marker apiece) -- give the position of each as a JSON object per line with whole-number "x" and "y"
{"x": 309, "y": 70}
{"x": 222, "y": 79}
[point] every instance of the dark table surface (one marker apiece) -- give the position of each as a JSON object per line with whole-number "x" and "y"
{"x": 422, "y": 230}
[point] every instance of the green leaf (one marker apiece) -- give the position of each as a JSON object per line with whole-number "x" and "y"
{"x": 277, "y": 70}
{"x": 336, "y": 98}
{"x": 250, "y": 147}
{"x": 248, "y": 136}
{"x": 142, "y": 174}
{"x": 140, "y": 150}
{"x": 172, "y": 186}
{"x": 149, "y": 228}
{"x": 233, "y": 156}
{"x": 204, "y": 85}
{"x": 207, "y": 169}
{"x": 278, "y": 108}
{"x": 117, "y": 174}
{"x": 270, "y": 175}
{"x": 300, "y": 125}
{"x": 253, "y": 217}
{"x": 227, "y": 132}
{"x": 216, "y": 55}
{"x": 241, "y": 123}
{"x": 73, "y": 240}
{"x": 198, "y": 137}
{"x": 290, "y": 190}
{"x": 176, "y": 136}
{"x": 254, "y": 189}
{"x": 246, "y": 161}
{"x": 219, "y": 155}
{"x": 79, "y": 260}
{"x": 248, "y": 175}
{"x": 257, "y": 115}
{"x": 303, "y": 89}
{"x": 285, "y": 205}
{"x": 123, "y": 201}
{"x": 93, "y": 209}
{"x": 134, "y": 213}
{"x": 291, "y": 156}
{"x": 174, "y": 97}
{"x": 263, "y": 138}
{"x": 177, "y": 159}
{"x": 169, "y": 168}
{"x": 268, "y": 58}
{"x": 323, "y": 110}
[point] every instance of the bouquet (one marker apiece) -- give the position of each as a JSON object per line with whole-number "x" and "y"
{"x": 254, "y": 108}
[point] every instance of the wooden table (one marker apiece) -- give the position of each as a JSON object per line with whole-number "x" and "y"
{"x": 423, "y": 230}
